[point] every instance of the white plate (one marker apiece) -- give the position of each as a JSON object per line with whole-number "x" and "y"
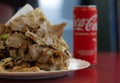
{"x": 75, "y": 64}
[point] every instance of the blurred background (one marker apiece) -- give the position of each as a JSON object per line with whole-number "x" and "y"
{"x": 58, "y": 11}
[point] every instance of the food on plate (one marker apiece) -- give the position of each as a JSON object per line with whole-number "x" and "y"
{"x": 30, "y": 43}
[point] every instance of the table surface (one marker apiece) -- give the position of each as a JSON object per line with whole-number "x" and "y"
{"x": 107, "y": 70}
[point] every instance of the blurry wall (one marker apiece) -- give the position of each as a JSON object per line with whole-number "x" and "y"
{"x": 107, "y": 28}
{"x": 118, "y": 19}
{"x": 103, "y": 25}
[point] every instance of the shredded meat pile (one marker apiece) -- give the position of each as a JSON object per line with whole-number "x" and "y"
{"x": 31, "y": 41}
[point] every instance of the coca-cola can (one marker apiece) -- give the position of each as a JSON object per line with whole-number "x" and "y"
{"x": 85, "y": 33}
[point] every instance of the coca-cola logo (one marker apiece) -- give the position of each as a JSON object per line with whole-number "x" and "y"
{"x": 86, "y": 24}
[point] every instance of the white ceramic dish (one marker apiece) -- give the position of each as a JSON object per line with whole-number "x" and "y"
{"x": 75, "y": 64}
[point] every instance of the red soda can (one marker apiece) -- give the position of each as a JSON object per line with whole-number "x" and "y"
{"x": 85, "y": 33}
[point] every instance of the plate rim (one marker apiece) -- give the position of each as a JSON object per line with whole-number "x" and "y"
{"x": 42, "y": 72}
